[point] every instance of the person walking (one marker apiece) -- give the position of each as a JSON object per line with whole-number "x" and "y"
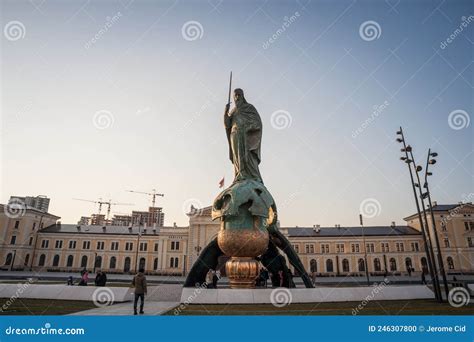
{"x": 84, "y": 278}
{"x": 139, "y": 283}
{"x": 423, "y": 278}
{"x": 100, "y": 278}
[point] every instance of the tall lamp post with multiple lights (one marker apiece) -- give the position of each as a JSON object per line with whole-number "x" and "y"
{"x": 409, "y": 160}
{"x": 431, "y": 161}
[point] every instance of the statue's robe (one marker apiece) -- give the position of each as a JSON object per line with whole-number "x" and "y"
{"x": 244, "y": 134}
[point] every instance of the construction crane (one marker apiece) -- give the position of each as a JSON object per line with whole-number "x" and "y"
{"x": 153, "y": 195}
{"x": 108, "y": 203}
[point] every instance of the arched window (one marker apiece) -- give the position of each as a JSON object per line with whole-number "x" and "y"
{"x": 377, "y": 267}
{"x": 113, "y": 262}
{"x": 42, "y": 260}
{"x": 450, "y": 263}
{"x": 84, "y": 261}
{"x": 393, "y": 264}
{"x": 98, "y": 262}
{"x": 70, "y": 260}
{"x": 142, "y": 263}
{"x": 361, "y": 263}
{"x": 345, "y": 265}
{"x": 313, "y": 266}
{"x": 126, "y": 265}
{"x": 155, "y": 264}
{"x": 27, "y": 258}
{"x": 56, "y": 261}
{"x": 8, "y": 260}
{"x": 329, "y": 266}
{"x": 408, "y": 264}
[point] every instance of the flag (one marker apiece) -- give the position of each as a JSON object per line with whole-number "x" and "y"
{"x": 221, "y": 183}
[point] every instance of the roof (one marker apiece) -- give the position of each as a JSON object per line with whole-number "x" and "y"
{"x": 112, "y": 230}
{"x": 352, "y": 231}
{"x": 29, "y": 209}
{"x": 444, "y": 208}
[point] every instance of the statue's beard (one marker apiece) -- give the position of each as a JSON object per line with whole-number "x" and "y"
{"x": 239, "y": 102}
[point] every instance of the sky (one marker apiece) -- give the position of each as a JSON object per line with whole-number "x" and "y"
{"x": 100, "y": 97}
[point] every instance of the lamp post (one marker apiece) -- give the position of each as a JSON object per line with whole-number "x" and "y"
{"x": 408, "y": 149}
{"x": 365, "y": 250}
{"x": 427, "y": 194}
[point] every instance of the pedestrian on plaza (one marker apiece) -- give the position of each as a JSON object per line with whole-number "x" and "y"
{"x": 423, "y": 278}
{"x": 70, "y": 281}
{"x": 84, "y": 278}
{"x": 100, "y": 278}
{"x": 139, "y": 283}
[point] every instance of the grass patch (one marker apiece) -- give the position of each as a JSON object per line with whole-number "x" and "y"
{"x": 398, "y": 307}
{"x": 32, "y": 307}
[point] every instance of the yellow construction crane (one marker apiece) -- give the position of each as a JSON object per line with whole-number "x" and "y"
{"x": 153, "y": 195}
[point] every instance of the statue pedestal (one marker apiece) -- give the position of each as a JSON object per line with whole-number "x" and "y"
{"x": 242, "y": 272}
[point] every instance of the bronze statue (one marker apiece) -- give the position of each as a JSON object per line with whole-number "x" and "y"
{"x": 247, "y": 211}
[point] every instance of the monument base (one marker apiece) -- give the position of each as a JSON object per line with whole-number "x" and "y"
{"x": 242, "y": 272}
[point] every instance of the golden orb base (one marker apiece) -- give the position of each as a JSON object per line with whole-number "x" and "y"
{"x": 242, "y": 272}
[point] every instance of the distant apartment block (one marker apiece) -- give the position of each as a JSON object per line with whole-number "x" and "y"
{"x": 36, "y": 202}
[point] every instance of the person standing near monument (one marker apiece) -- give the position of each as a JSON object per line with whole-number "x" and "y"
{"x": 139, "y": 283}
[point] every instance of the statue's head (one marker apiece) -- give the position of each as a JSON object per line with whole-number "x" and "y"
{"x": 239, "y": 97}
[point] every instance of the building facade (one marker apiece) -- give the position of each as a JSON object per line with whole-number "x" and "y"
{"x": 37, "y": 241}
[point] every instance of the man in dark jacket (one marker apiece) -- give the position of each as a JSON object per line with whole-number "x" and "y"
{"x": 100, "y": 279}
{"x": 139, "y": 283}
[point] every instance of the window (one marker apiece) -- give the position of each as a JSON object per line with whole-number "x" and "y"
{"x": 17, "y": 224}
{"x": 113, "y": 262}
{"x": 129, "y": 246}
{"x": 355, "y": 248}
{"x": 155, "y": 264}
{"x": 31, "y": 241}
{"x": 400, "y": 247}
{"x": 8, "y": 259}
{"x": 339, "y": 248}
{"x": 174, "y": 245}
{"x": 98, "y": 262}
{"x": 466, "y": 226}
{"x": 34, "y": 226}
{"x": 13, "y": 240}
{"x": 313, "y": 266}
{"x": 470, "y": 242}
{"x": 44, "y": 244}
{"x": 143, "y": 246}
{"x": 126, "y": 265}
{"x": 446, "y": 242}
{"x": 72, "y": 244}
{"x": 408, "y": 264}
{"x": 84, "y": 261}
{"x": 325, "y": 248}
{"x": 370, "y": 248}
{"x": 309, "y": 248}
{"x": 86, "y": 245}
{"x": 100, "y": 245}
{"x": 114, "y": 246}
{"x": 174, "y": 262}
{"x": 142, "y": 263}
{"x": 59, "y": 244}
{"x": 393, "y": 265}
{"x": 329, "y": 266}
{"x": 415, "y": 247}
{"x": 345, "y": 265}
{"x": 56, "y": 261}
{"x": 296, "y": 248}
{"x": 385, "y": 247}
{"x": 471, "y": 225}
{"x": 450, "y": 263}
{"x": 361, "y": 264}
{"x": 156, "y": 247}
{"x": 377, "y": 267}
{"x": 443, "y": 226}
{"x": 42, "y": 260}
{"x": 27, "y": 258}
{"x": 70, "y": 260}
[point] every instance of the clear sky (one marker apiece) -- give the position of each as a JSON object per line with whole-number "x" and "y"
{"x": 103, "y": 96}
